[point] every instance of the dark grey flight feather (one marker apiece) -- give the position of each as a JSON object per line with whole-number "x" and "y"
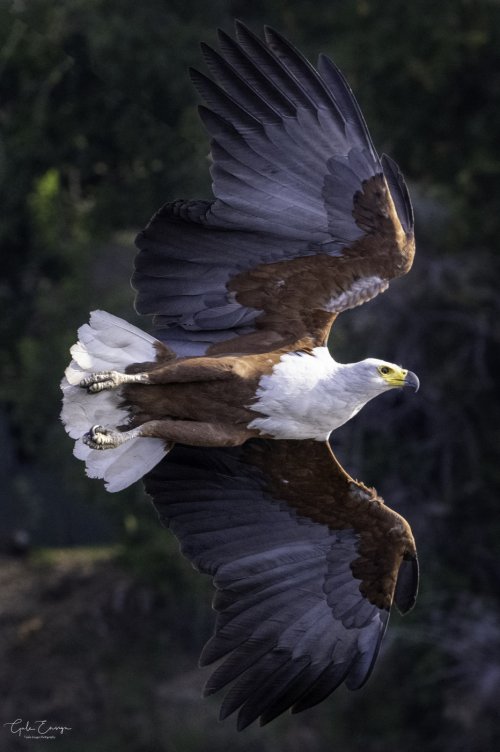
{"x": 297, "y": 65}
{"x": 269, "y": 102}
{"x": 262, "y": 59}
{"x": 346, "y": 101}
{"x": 292, "y": 624}
{"x": 399, "y": 192}
{"x": 280, "y": 98}
{"x": 290, "y": 149}
{"x": 406, "y": 591}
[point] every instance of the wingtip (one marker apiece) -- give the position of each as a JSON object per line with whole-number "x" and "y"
{"x": 406, "y": 590}
{"x": 244, "y": 33}
{"x": 225, "y": 711}
{"x": 193, "y": 72}
{"x": 200, "y": 81}
{"x": 242, "y": 723}
{"x": 270, "y": 33}
{"x": 208, "y": 691}
{"x": 240, "y": 25}
{"x": 273, "y": 36}
{"x": 324, "y": 61}
{"x": 223, "y": 36}
{"x": 209, "y": 653}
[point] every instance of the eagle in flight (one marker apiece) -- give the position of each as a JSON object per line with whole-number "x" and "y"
{"x": 239, "y": 389}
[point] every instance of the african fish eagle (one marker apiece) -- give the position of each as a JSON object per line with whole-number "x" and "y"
{"x": 239, "y": 389}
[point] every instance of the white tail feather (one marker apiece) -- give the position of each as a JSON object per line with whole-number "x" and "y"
{"x": 107, "y": 343}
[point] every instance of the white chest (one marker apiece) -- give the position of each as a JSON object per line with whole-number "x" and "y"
{"x": 304, "y": 398}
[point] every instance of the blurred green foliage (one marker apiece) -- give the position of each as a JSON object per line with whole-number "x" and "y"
{"x": 99, "y": 128}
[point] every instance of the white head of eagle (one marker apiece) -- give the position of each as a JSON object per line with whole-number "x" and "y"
{"x": 309, "y": 395}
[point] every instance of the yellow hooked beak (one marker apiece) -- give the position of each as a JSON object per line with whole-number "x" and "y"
{"x": 399, "y": 377}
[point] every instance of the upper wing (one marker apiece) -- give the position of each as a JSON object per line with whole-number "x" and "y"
{"x": 307, "y": 221}
{"x": 306, "y": 563}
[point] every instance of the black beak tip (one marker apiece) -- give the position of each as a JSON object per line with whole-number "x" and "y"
{"x": 411, "y": 379}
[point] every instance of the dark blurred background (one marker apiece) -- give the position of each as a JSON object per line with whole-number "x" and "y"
{"x": 102, "y": 620}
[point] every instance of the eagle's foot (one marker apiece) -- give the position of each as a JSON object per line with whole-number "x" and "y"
{"x": 103, "y": 438}
{"x": 98, "y": 382}
{"x": 101, "y": 380}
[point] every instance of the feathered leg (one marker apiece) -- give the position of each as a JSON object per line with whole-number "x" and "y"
{"x": 189, "y": 432}
{"x": 193, "y": 369}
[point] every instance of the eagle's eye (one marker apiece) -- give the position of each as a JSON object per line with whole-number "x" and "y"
{"x": 384, "y": 370}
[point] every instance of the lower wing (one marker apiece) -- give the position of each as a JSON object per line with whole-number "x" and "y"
{"x": 306, "y": 564}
